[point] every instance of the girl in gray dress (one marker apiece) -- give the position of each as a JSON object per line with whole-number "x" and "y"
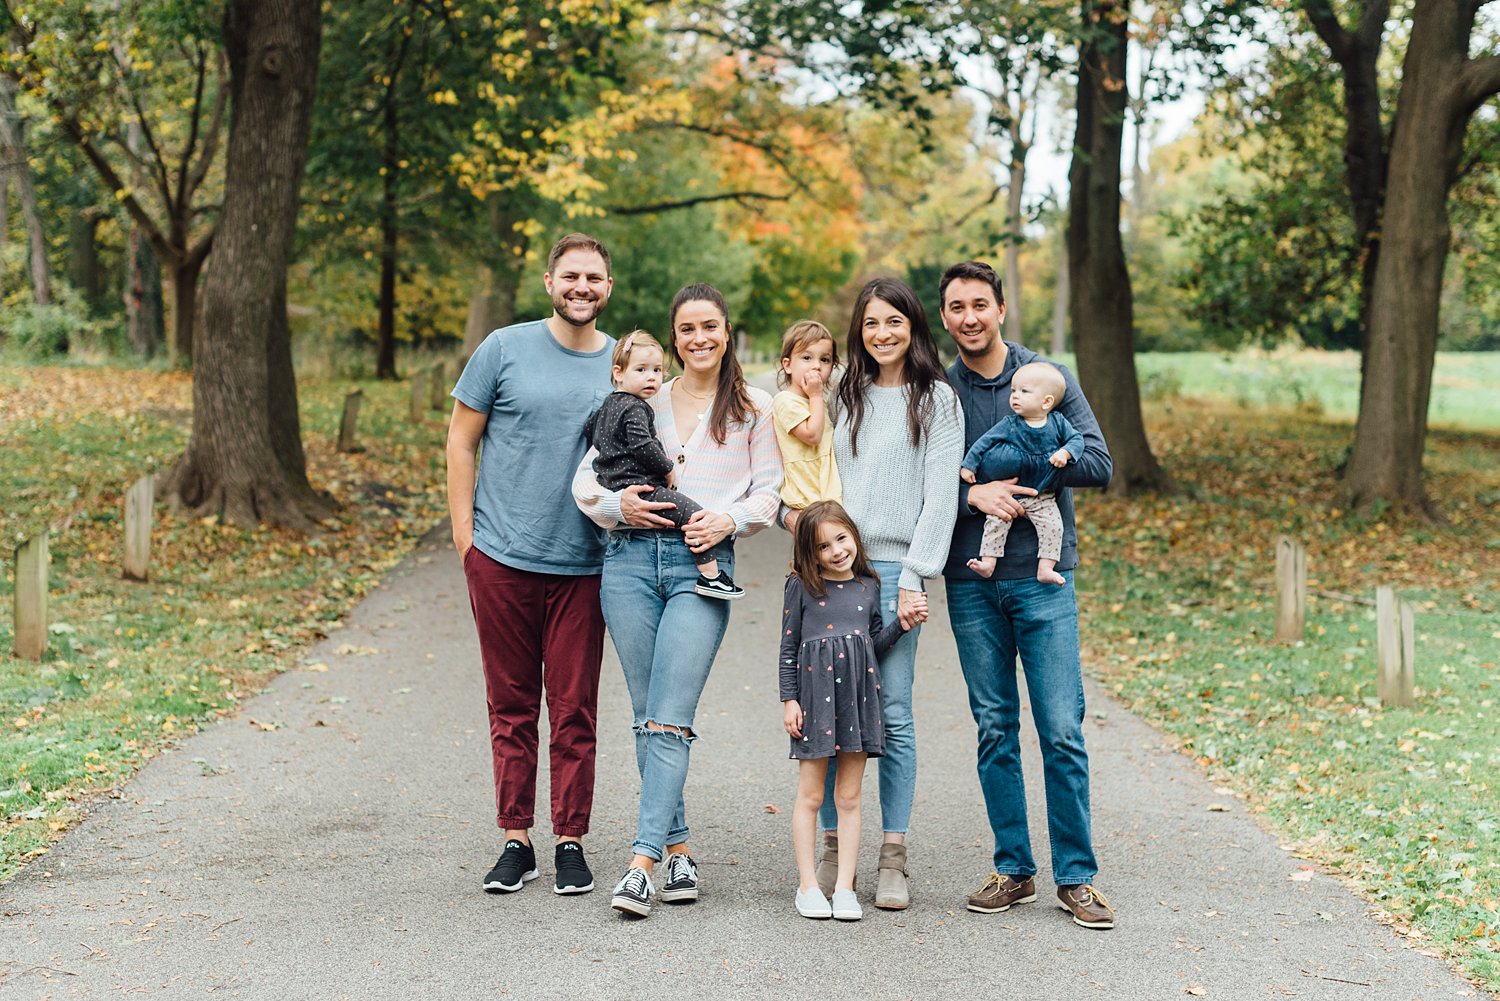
{"x": 832, "y": 635}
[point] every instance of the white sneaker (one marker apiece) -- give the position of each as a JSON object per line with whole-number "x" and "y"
{"x": 846, "y": 906}
{"x": 812, "y": 904}
{"x": 633, "y": 893}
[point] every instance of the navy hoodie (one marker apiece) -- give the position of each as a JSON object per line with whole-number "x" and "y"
{"x": 985, "y": 402}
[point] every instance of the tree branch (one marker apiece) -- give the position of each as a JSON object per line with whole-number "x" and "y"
{"x": 183, "y": 194}
{"x": 1478, "y": 81}
{"x": 727, "y": 196}
{"x": 777, "y": 155}
{"x": 1326, "y": 23}
{"x": 1371, "y": 25}
{"x": 210, "y": 146}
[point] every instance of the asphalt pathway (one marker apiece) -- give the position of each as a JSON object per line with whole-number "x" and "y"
{"x": 329, "y": 841}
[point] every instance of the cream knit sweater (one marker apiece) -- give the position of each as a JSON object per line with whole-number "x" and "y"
{"x": 903, "y": 499}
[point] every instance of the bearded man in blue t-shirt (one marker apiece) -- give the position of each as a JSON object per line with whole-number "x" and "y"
{"x": 532, "y": 560}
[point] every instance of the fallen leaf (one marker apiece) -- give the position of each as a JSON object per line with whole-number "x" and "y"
{"x": 772, "y": 808}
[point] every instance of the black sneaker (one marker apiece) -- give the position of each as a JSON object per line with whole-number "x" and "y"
{"x": 718, "y": 587}
{"x": 516, "y": 865}
{"x": 633, "y": 893}
{"x": 681, "y": 886}
{"x": 573, "y": 874}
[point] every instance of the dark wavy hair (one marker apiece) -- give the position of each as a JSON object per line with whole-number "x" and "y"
{"x": 805, "y": 546}
{"x": 921, "y": 371}
{"x": 732, "y": 403}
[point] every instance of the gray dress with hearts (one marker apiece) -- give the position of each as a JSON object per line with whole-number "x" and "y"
{"x": 829, "y": 663}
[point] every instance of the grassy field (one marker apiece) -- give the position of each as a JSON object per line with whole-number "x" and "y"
{"x": 1177, "y": 606}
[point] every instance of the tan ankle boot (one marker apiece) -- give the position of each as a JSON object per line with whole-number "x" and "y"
{"x": 828, "y": 865}
{"x": 893, "y": 893}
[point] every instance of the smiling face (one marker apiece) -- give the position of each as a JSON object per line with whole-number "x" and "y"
{"x": 641, "y": 375}
{"x": 700, "y": 333}
{"x": 579, "y": 285}
{"x": 972, "y": 316}
{"x": 836, "y": 550}
{"x": 886, "y": 333}
{"x": 805, "y": 358}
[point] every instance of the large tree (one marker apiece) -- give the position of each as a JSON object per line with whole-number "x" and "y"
{"x": 1100, "y": 303}
{"x": 1441, "y": 88}
{"x": 244, "y": 461}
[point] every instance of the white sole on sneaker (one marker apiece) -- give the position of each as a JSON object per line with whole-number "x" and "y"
{"x": 677, "y": 896}
{"x": 495, "y": 886}
{"x": 567, "y": 890}
{"x": 625, "y": 905}
{"x": 709, "y": 592}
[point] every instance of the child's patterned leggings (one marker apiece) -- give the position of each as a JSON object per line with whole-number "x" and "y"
{"x": 1045, "y": 518}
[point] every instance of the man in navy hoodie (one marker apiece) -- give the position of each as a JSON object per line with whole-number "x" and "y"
{"x": 1013, "y": 613}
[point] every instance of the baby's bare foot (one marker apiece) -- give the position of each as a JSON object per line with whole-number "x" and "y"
{"x": 983, "y": 566}
{"x": 1050, "y": 576}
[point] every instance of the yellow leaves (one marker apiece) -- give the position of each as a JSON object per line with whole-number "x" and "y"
{"x": 444, "y": 97}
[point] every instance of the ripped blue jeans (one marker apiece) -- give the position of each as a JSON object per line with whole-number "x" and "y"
{"x": 666, "y": 636}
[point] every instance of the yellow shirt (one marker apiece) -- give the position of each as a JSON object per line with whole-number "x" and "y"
{"x": 810, "y": 473}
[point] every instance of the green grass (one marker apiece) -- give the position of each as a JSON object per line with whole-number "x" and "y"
{"x": 1178, "y": 609}
{"x": 133, "y": 667}
{"x": 1463, "y": 383}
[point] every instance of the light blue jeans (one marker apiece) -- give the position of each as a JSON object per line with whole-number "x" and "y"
{"x": 666, "y": 636}
{"x": 898, "y": 767}
{"x": 993, "y": 621}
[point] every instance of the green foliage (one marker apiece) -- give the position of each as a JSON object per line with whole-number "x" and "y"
{"x": 32, "y": 332}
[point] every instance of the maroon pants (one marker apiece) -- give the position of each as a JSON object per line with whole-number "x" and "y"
{"x": 539, "y": 631}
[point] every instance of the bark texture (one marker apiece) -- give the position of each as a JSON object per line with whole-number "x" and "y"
{"x": 493, "y": 304}
{"x": 1100, "y": 303}
{"x": 145, "y": 314}
{"x": 17, "y": 171}
{"x": 244, "y": 461}
{"x": 1440, "y": 90}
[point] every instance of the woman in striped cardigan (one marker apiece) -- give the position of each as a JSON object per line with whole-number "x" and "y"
{"x": 719, "y": 430}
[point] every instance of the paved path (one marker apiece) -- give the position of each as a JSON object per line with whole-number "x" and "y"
{"x": 339, "y": 854}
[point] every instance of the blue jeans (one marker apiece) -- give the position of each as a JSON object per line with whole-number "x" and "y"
{"x": 993, "y": 621}
{"x": 898, "y": 767}
{"x": 666, "y": 636}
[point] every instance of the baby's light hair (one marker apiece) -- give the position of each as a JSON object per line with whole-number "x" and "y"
{"x": 628, "y": 343}
{"x": 1049, "y": 375}
{"x": 799, "y": 335}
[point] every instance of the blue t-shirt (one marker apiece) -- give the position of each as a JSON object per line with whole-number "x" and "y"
{"x": 538, "y": 394}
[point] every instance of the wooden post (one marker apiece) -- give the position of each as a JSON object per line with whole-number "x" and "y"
{"x": 31, "y": 597}
{"x": 1396, "y": 648}
{"x": 138, "y": 500}
{"x": 1291, "y": 590}
{"x": 350, "y": 421}
{"x": 418, "y": 394}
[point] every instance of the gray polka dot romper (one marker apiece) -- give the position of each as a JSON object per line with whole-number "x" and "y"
{"x": 829, "y": 649}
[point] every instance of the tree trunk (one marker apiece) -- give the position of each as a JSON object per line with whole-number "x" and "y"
{"x": 1365, "y": 157}
{"x": 1439, "y": 92}
{"x": 83, "y": 256}
{"x": 385, "y": 358}
{"x": 184, "y": 308}
{"x": 244, "y": 461}
{"x": 1014, "y": 238}
{"x": 493, "y": 304}
{"x": 1100, "y": 298}
{"x": 1060, "y": 301}
{"x": 13, "y": 153}
{"x": 144, "y": 310}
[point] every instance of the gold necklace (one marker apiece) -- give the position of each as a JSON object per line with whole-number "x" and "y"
{"x": 683, "y": 386}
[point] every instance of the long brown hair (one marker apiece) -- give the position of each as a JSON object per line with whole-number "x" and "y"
{"x": 805, "y": 545}
{"x": 922, "y": 369}
{"x": 731, "y": 400}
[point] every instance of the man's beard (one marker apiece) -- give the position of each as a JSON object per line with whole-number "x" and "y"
{"x": 989, "y": 343}
{"x": 578, "y": 312}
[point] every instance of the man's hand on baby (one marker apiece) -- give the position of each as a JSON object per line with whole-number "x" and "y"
{"x": 967, "y": 475}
